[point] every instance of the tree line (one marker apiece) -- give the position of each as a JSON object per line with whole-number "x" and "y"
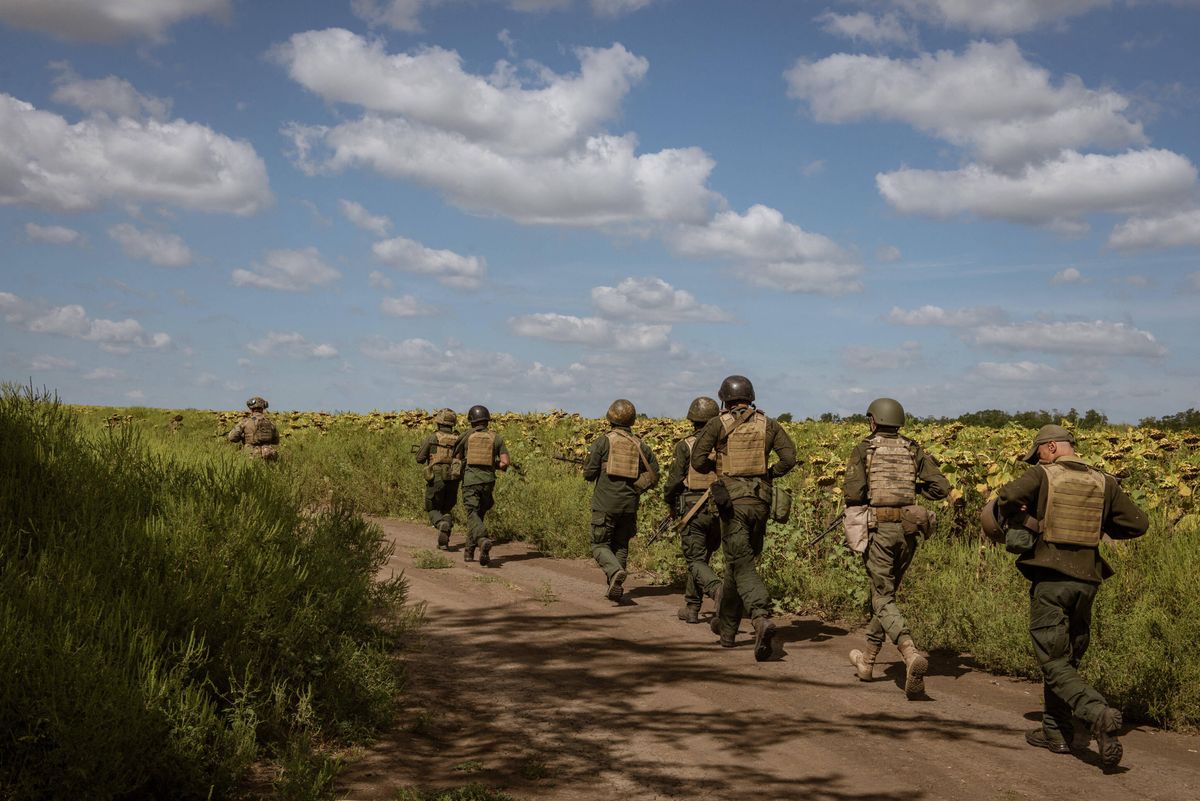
{"x": 998, "y": 418}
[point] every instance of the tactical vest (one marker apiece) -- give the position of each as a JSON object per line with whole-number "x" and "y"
{"x": 745, "y": 451}
{"x": 624, "y": 457}
{"x": 1074, "y": 505}
{"x": 260, "y": 430}
{"x": 695, "y": 480}
{"x": 481, "y": 448}
{"x": 443, "y": 448}
{"x": 891, "y": 472}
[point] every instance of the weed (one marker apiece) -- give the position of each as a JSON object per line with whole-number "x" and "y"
{"x": 471, "y": 792}
{"x": 431, "y": 560}
{"x": 544, "y": 594}
{"x": 470, "y": 766}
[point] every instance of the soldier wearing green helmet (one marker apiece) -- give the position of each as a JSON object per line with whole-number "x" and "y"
{"x": 442, "y": 474}
{"x": 701, "y": 536}
{"x": 884, "y": 475}
{"x": 483, "y": 451}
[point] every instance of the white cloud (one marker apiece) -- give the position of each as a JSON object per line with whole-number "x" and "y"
{"x": 1098, "y": 337}
{"x": 288, "y": 271}
{"x": 989, "y": 100}
{"x": 594, "y": 332}
{"x": 867, "y": 28}
{"x": 379, "y": 281}
{"x": 1181, "y": 229}
{"x": 888, "y": 254}
{"x": 103, "y": 374}
{"x": 1070, "y": 275}
{"x": 1056, "y": 193}
{"x": 771, "y": 252}
{"x": 937, "y": 316}
{"x": 106, "y": 20}
{"x": 135, "y": 395}
{"x": 616, "y": 8}
{"x": 44, "y": 362}
{"x": 115, "y": 336}
{"x": 377, "y": 224}
{"x": 406, "y": 306}
{"x": 865, "y": 357}
{"x": 989, "y": 16}
{"x": 450, "y": 268}
{"x": 1020, "y": 372}
{"x": 400, "y": 15}
{"x": 163, "y": 249}
{"x": 53, "y": 234}
{"x": 111, "y": 95}
{"x": 653, "y": 299}
{"x": 48, "y": 162}
{"x": 291, "y": 344}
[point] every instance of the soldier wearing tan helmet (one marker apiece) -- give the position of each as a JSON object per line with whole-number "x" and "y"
{"x": 623, "y": 467}
{"x": 483, "y": 452}
{"x": 1075, "y": 506}
{"x": 884, "y": 475}
{"x": 701, "y": 535}
{"x": 256, "y": 432}
{"x": 738, "y": 444}
{"x": 442, "y": 474}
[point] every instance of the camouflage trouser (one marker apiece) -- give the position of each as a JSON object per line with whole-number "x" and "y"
{"x": 700, "y": 540}
{"x": 477, "y": 500}
{"x": 1060, "y": 624}
{"x": 743, "y": 527}
{"x": 611, "y": 534}
{"x": 267, "y": 453}
{"x": 888, "y": 555}
{"x": 440, "y": 497}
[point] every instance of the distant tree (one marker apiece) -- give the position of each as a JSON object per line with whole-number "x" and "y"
{"x": 786, "y": 417}
{"x": 1180, "y": 421}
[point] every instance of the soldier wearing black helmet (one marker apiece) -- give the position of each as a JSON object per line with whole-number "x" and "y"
{"x": 701, "y": 535}
{"x": 738, "y": 444}
{"x": 443, "y": 473}
{"x": 623, "y": 467}
{"x": 256, "y": 431}
{"x": 484, "y": 453}
{"x": 884, "y": 475}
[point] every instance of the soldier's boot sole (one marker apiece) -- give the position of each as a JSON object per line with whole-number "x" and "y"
{"x": 914, "y": 678}
{"x": 764, "y": 636}
{"x": 444, "y": 541}
{"x": 689, "y": 614}
{"x": 469, "y": 555}
{"x": 1105, "y": 731}
{"x": 485, "y": 553}
{"x": 1038, "y": 739}
{"x": 616, "y": 586}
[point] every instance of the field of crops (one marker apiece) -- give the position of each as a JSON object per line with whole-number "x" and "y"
{"x": 961, "y": 594}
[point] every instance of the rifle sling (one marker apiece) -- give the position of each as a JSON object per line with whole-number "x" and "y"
{"x": 687, "y": 518}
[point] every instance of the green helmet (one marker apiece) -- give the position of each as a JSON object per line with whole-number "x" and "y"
{"x": 445, "y": 417}
{"x": 703, "y": 409}
{"x": 621, "y": 413}
{"x": 886, "y": 412}
{"x": 478, "y": 414}
{"x": 256, "y": 404}
{"x": 735, "y": 389}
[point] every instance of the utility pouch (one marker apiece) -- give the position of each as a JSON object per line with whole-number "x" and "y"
{"x": 455, "y": 471}
{"x": 720, "y": 495}
{"x": 856, "y": 522}
{"x": 781, "y": 504}
{"x": 916, "y": 519}
{"x": 429, "y": 472}
{"x": 1019, "y": 540}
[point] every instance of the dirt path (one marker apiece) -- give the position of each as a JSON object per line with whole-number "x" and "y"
{"x": 531, "y": 681}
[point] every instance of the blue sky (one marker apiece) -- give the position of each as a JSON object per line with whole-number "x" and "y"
{"x": 357, "y": 204}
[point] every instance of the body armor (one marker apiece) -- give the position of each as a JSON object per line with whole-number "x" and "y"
{"x": 443, "y": 448}
{"x": 1074, "y": 505}
{"x": 260, "y": 430}
{"x": 624, "y": 457}
{"x": 481, "y": 448}
{"x": 891, "y": 472}
{"x": 745, "y": 451}
{"x": 695, "y": 480}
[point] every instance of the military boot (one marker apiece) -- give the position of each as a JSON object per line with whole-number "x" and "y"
{"x": 443, "y": 536}
{"x": 764, "y": 634}
{"x": 865, "y": 660}
{"x": 1038, "y": 739}
{"x": 468, "y": 554}
{"x": 1105, "y": 731}
{"x": 616, "y": 585}
{"x": 689, "y": 613}
{"x": 485, "y": 552}
{"x": 916, "y": 667}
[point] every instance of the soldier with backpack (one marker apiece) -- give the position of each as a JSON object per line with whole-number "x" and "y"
{"x": 256, "y": 432}
{"x": 484, "y": 453}
{"x": 442, "y": 474}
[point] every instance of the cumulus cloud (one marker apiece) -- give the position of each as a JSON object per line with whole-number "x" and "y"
{"x": 450, "y": 268}
{"x": 103, "y": 374}
{"x": 655, "y": 299}
{"x": 445, "y": 366}
{"x": 989, "y": 100}
{"x": 163, "y": 249}
{"x": 616, "y": 8}
{"x": 888, "y": 254}
{"x": 596, "y": 332}
{"x": 43, "y": 363}
{"x": 886, "y": 29}
{"x": 406, "y": 306}
{"x": 115, "y": 336}
{"x": 1009, "y": 372}
{"x": 937, "y": 316}
{"x": 291, "y": 344}
{"x": 53, "y": 234}
{"x": 1178, "y": 230}
{"x": 1070, "y": 275}
{"x": 405, "y": 15}
{"x": 379, "y": 281}
{"x": 988, "y": 16}
{"x": 49, "y": 162}
{"x": 111, "y": 95}
{"x": 288, "y": 271}
{"x": 1097, "y": 337}
{"x": 377, "y": 224}
{"x": 106, "y": 20}
{"x": 864, "y": 357}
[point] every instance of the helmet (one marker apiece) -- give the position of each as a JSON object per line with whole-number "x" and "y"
{"x": 886, "y": 412}
{"x": 478, "y": 414}
{"x": 736, "y": 388}
{"x": 256, "y": 403}
{"x": 445, "y": 417}
{"x": 621, "y": 413}
{"x": 702, "y": 409}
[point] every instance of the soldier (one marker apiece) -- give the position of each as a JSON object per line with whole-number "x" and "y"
{"x": 623, "y": 468}
{"x": 743, "y": 439}
{"x": 884, "y": 474}
{"x": 442, "y": 474}
{"x": 701, "y": 536}
{"x": 1076, "y": 504}
{"x": 484, "y": 453}
{"x": 256, "y": 432}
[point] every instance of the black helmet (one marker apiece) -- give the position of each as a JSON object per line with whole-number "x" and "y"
{"x": 478, "y": 414}
{"x": 703, "y": 409}
{"x": 256, "y": 403}
{"x": 886, "y": 412}
{"x": 735, "y": 389}
{"x": 621, "y": 412}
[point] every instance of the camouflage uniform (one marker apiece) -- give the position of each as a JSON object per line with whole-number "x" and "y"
{"x": 247, "y": 431}
{"x": 441, "y": 491}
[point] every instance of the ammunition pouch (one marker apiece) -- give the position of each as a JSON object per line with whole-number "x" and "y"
{"x": 455, "y": 470}
{"x": 857, "y": 525}
{"x": 728, "y": 489}
{"x": 887, "y": 514}
{"x": 781, "y": 504}
{"x": 916, "y": 519}
{"x": 645, "y": 480}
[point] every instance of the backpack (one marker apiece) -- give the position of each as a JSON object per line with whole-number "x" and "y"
{"x": 264, "y": 432}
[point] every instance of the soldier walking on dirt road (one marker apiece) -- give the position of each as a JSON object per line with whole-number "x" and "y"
{"x": 484, "y": 453}
{"x": 442, "y": 474}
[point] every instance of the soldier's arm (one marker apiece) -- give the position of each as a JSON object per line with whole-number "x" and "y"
{"x": 1125, "y": 520}
{"x": 1020, "y": 495}
{"x": 652, "y": 460}
{"x": 426, "y": 447}
{"x": 930, "y": 481}
{"x": 237, "y": 433}
{"x": 679, "y": 467}
{"x": 595, "y": 459}
{"x": 785, "y": 449}
{"x": 500, "y": 452}
{"x": 854, "y": 485}
{"x": 706, "y": 443}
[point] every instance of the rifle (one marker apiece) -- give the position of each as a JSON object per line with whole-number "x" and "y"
{"x": 828, "y": 529}
{"x": 575, "y": 460}
{"x": 663, "y": 526}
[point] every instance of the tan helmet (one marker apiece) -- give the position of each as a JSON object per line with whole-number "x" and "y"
{"x": 886, "y": 412}
{"x": 621, "y": 413}
{"x": 256, "y": 404}
{"x": 703, "y": 409}
{"x": 445, "y": 417}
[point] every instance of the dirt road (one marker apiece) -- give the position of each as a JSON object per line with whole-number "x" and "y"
{"x": 531, "y": 681}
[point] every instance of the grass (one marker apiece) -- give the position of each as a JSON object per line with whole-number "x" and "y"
{"x": 544, "y": 594}
{"x": 470, "y": 792}
{"x": 427, "y": 559}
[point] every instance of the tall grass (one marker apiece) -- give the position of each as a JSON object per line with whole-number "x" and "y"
{"x": 166, "y": 621}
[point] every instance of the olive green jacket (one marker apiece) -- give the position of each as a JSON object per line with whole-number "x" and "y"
{"x": 612, "y": 495}
{"x": 474, "y": 475}
{"x": 930, "y": 481}
{"x": 778, "y": 442}
{"x": 680, "y": 462}
{"x": 1050, "y": 561}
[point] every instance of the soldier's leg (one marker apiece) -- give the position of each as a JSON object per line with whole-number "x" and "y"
{"x": 740, "y": 527}
{"x": 1052, "y": 605}
{"x": 602, "y": 544}
{"x": 431, "y": 493}
{"x": 472, "y": 498}
{"x": 624, "y": 529}
{"x": 695, "y": 553}
{"x": 886, "y": 549}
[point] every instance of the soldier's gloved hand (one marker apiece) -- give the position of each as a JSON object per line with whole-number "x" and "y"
{"x": 1018, "y": 540}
